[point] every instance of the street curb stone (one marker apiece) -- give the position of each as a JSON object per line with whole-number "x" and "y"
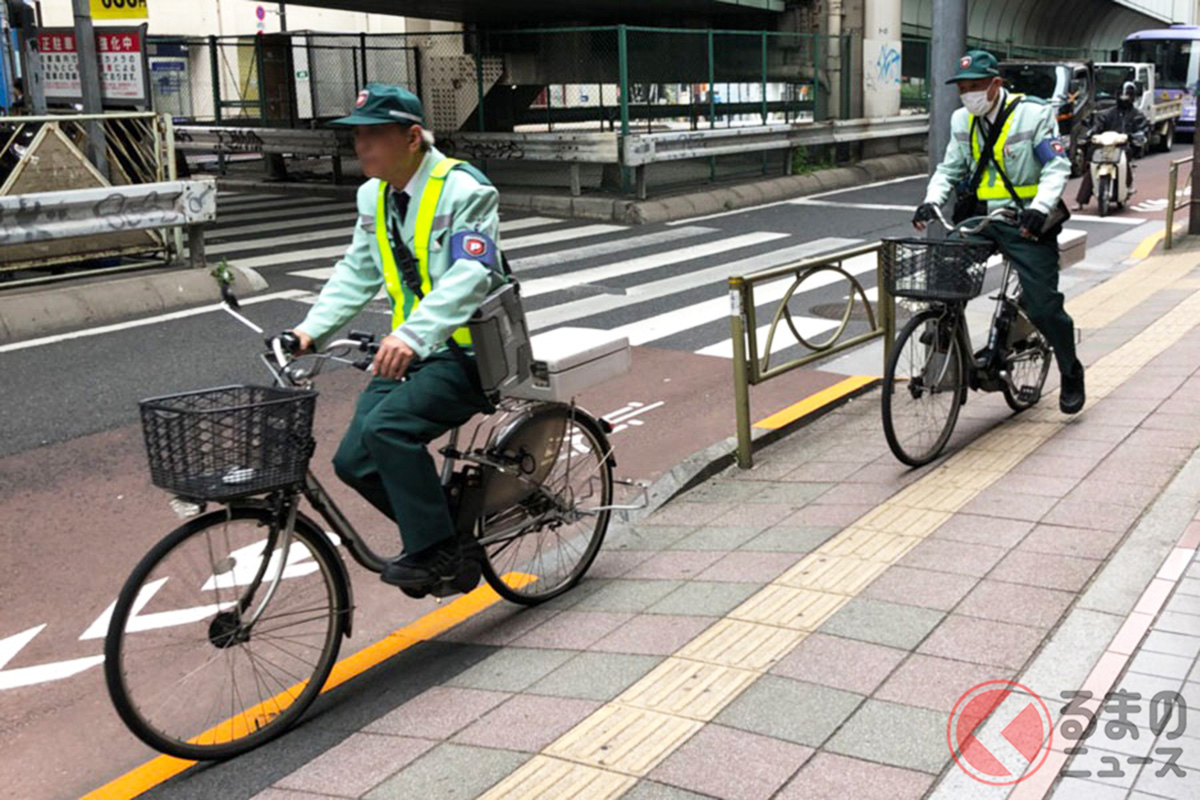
{"x": 33, "y": 313}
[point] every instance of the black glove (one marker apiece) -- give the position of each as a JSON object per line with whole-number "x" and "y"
{"x": 1032, "y": 221}
{"x": 924, "y": 213}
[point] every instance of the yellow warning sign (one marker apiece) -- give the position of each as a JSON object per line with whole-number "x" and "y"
{"x": 119, "y": 9}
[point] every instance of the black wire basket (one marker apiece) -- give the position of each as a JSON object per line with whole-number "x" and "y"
{"x": 943, "y": 271}
{"x": 232, "y": 441}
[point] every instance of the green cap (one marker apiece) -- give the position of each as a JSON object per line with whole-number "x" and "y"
{"x": 976, "y": 64}
{"x": 382, "y": 103}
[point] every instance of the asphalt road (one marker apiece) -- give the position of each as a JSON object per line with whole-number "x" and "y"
{"x": 77, "y": 511}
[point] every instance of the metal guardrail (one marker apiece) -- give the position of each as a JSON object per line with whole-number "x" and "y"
{"x": 28, "y": 220}
{"x": 640, "y": 150}
{"x": 236, "y": 140}
{"x": 570, "y": 148}
{"x": 1173, "y": 203}
{"x": 647, "y": 148}
{"x": 752, "y": 361}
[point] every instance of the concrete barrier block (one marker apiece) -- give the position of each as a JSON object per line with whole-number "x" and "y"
{"x": 649, "y": 212}
{"x": 551, "y": 204}
{"x": 748, "y": 194}
{"x": 1072, "y": 247}
{"x": 706, "y": 203}
{"x": 593, "y": 208}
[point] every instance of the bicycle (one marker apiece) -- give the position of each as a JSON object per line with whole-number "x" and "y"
{"x": 260, "y": 597}
{"x": 931, "y": 365}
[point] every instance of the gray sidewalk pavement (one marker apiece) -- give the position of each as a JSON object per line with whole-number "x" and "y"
{"x": 820, "y": 626}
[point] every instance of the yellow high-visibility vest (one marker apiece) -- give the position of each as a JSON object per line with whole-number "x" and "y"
{"x": 991, "y": 186}
{"x": 404, "y": 301}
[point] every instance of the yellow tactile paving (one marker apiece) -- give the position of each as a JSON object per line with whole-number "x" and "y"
{"x": 686, "y": 688}
{"x": 624, "y": 739}
{"x": 786, "y": 607}
{"x": 747, "y": 645}
{"x": 601, "y": 756}
{"x": 832, "y": 573}
{"x": 552, "y": 778}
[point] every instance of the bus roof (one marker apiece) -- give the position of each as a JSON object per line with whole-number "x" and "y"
{"x": 1184, "y": 32}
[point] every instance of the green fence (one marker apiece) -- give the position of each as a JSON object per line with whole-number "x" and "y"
{"x": 623, "y": 78}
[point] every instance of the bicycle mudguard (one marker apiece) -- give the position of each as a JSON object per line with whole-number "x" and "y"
{"x": 320, "y": 540}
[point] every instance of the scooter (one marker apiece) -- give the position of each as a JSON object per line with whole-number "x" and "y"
{"x": 1109, "y": 170}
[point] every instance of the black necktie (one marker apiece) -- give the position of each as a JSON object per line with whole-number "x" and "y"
{"x": 402, "y": 205}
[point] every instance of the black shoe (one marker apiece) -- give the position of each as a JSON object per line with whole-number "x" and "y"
{"x": 425, "y": 568}
{"x": 1071, "y": 395}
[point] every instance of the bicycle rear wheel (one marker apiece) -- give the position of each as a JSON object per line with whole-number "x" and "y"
{"x": 187, "y": 672}
{"x": 923, "y": 386}
{"x": 544, "y": 522}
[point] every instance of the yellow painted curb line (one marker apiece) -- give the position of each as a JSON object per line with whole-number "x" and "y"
{"x": 144, "y": 778}
{"x": 816, "y": 402}
{"x": 1147, "y": 245}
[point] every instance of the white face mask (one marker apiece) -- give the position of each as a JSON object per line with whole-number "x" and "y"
{"x": 977, "y": 102}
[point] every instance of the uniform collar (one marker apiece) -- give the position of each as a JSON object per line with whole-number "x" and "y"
{"x": 416, "y": 184}
{"x": 995, "y": 112}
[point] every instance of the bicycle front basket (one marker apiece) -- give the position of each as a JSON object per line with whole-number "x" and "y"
{"x": 228, "y": 442}
{"x": 948, "y": 270}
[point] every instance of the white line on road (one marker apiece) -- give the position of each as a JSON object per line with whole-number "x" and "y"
{"x": 588, "y": 306}
{"x": 287, "y": 294}
{"x": 344, "y": 221}
{"x": 539, "y": 286}
{"x": 750, "y": 209}
{"x": 559, "y": 235}
{"x": 560, "y": 257}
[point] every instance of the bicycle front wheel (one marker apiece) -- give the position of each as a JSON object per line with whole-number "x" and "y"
{"x": 188, "y": 671}
{"x": 545, "y": 520}
{"x": 923, "y": 386}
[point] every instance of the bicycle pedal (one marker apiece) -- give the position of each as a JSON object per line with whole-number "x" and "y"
{"x": 1029, "y": 394}
{"x": 467, "y": 579}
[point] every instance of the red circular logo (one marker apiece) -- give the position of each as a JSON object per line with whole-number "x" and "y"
{"x": 362, "y": 98}
{"x": 966, "y": 62}
{"x": 1023, "y": 737}
{"x": 475, "y": 246}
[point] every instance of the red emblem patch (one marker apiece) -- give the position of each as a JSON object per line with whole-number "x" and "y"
{"x": 475, "y": 246}
{"x": 965, "y": 62}
{"x": 362, "y": 98}
{"x": 1058, "y": 148}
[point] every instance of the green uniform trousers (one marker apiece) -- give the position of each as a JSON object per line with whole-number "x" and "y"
{"x": 1036, "y": 263}
{"x": 384, "y": 455}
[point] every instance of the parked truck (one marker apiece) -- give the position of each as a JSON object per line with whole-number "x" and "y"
{"x": 1162, "y": 110}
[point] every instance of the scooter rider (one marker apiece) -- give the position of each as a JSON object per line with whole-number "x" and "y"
{"x": 1126, "y": 118}
{"x": 1005, "y": 152}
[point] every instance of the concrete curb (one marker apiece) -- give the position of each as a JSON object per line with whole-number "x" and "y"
{"x": 725, "y": 197}
{"x": 44, "y": 311}
{"x": 717, "y": 198}
{"x": 703, "y": 464}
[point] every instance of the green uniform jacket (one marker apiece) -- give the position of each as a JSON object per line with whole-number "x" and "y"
{"x": 466, "y": 204}
{"x": 1033, "y": 125}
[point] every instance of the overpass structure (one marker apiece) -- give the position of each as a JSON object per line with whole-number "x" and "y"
{"x": 581, "y": 81}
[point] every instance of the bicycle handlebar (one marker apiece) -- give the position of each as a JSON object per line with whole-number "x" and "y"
{"x": 285, "y": 346}
{"x": 999, "y": 215}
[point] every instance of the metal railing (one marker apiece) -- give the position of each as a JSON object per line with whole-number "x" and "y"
{"x": 1173, "y": 202}
{"x": 752, "y": 362}
{"x": 108, "y": 221}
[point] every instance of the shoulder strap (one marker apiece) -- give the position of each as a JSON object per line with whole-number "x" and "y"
{"x": 989, "y": 146}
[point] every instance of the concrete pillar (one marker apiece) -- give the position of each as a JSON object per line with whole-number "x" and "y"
{"x": 947, "y": 47}
{"x": 881, "y": 59}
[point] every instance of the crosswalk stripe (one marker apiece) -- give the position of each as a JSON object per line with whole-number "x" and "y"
{"x": 275, "y": 259}
{"x": 559, "y": 259}
{"x": 682, "y": 319}
{"x": 272, "y": 203}
{"x": 339, "y": 221}
{"x": 277, "y": 241}
{"x": 567, "y": 312}
{"x": 539, "y": 286}
{"x": 223, "y": 222}
{"x": 343, "y": 221}
{"x": 555, "y": 236}
{"x": 521, "y": 224}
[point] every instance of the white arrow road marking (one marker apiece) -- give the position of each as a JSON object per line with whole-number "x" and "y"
{"x": 159, "y": 619}
{"x": 42, "y": 673}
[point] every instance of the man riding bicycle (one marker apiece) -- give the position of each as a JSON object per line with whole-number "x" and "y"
{"x": 427, "y": 230}
{"x": 1005, "y": 152}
